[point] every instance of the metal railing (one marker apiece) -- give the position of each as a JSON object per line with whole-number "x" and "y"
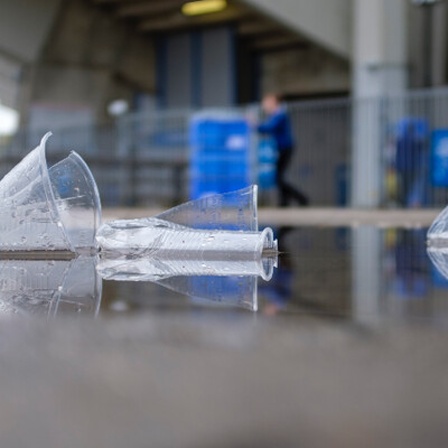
{"x": 402, "y": 138}
{"x": 144, "y": 159}
{"x": 321, "y": 165}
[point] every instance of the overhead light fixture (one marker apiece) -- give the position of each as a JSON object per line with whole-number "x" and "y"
{"x": 200, "y": 7}
{"x": 117, "y": 107}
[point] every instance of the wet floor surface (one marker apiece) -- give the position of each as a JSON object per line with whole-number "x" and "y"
{"x": 348, "y": 348}
{"x": 365, "y": 274}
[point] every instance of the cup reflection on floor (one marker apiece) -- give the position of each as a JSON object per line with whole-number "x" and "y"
{"x": 279, "y": 291}
{"x": 50, "y": 287}
{"x": 230, "y": 281}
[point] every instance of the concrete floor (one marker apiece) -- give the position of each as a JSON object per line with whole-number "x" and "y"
{"x": 312, "y": 216}
{"x": 221, "y": 380}
{"x": 203, "y": 378}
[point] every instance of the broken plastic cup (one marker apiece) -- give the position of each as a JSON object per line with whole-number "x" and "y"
{"x": 155, "y": 237}
{"x": 197, "y": 227}
{"x": 209, "y": 248}
{"x": 49, "y": 209}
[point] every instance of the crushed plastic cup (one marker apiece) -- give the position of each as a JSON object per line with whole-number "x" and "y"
{"x": 58, "y": 209}
{"x": 209, "y": 249}
{"x": 158, "y": 238}
{"x": 49, "y": 209}
{"x": 215, "y": 227}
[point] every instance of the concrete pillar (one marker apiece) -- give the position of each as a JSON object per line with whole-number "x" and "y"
{"x": 379, "y": 69}
{"x": 440, "y": 44}
{"x": 433, "y": 16}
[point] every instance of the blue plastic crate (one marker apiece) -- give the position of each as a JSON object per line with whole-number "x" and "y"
{"x": 220, "y": 155}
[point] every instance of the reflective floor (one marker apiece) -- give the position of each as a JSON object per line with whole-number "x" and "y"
{"x": 348, "y": 348}
{"x": 365, "y": 274}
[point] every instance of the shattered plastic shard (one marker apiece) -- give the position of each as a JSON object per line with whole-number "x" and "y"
{"x": 48, "y": 209}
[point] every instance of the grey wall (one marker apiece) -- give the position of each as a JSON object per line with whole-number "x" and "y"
{"x": 178, "y": 71}
{"x": 89, "y": 59}
{"x": 197, "y": 69}
{"x": 218, "y": 68}
{"x": 24, "y": 27}
{"x": 326, "y": 22}
{"x": 304, "y": 72}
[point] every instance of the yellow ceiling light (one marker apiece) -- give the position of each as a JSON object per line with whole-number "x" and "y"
{"x": 199, "y": 7}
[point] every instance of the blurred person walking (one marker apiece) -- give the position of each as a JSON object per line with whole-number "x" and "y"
{"x": 277, "y": 126}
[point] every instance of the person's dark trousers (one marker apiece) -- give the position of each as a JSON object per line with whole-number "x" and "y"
{"x": 286, "y": 190}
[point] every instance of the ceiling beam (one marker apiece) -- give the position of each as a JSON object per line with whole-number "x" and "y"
{"x": 277, "y": 42}
{"x": 148, "y": 8}
{"x": 105, "y": 2}
{"x": 178, "y": 21}
{"x": 252, "y": 28}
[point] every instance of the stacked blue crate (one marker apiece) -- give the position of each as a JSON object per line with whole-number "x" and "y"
{"x": 220, "y": 154}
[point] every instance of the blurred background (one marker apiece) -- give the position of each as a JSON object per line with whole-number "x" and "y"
{"x": 160, "y": 96}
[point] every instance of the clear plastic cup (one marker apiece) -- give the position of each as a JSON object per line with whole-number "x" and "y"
{"x": 221, "y": 225}
{"x": 49, "y": 209}
{"x": 209, "y": 248}
{"x": 158, "y": 238}
{"x": 235, "y": 210}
